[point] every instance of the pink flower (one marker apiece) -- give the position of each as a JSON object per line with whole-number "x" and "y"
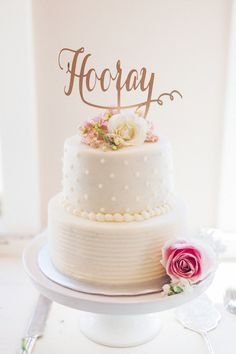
{"x": 93, "y": 131}
{"x": 151, "y": 137}
{"x": 101, "y": 123}
{"x": 189, "y": 260}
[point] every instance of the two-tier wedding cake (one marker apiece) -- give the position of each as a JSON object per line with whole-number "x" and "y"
{"x": 117, "y": 208}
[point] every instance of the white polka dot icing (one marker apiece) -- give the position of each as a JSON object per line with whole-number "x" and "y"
{"x": 128, "y": 175}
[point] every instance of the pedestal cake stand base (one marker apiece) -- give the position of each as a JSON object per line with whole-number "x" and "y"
{"x": 120, "y": 331}
{"x": 115, "y": 321}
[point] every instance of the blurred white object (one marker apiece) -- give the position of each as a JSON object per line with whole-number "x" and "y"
{"x": 214, "y": 238}
{"x": 230, "y": 300}
{"x": 200, "y": 316}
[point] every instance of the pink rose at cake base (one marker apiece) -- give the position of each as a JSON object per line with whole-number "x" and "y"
{"x": 187, "y": 262}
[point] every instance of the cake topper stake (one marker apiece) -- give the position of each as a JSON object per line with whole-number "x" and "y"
{"x": 88, "y": 79}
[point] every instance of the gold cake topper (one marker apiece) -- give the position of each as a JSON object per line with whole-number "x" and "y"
{"x": 88, "y": 79}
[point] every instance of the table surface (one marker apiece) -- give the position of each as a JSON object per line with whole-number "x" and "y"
{"x": 18, "y": 297}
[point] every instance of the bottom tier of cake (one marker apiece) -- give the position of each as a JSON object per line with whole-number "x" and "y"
{"x": 111, "y": 253}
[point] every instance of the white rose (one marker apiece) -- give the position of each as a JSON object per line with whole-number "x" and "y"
{"x": 130, "y": 128}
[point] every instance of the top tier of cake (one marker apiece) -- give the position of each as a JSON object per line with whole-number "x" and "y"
{"x": 133, "y": 181}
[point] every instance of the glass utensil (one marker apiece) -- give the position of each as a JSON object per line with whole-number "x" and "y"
{"x": 199, "y": 316}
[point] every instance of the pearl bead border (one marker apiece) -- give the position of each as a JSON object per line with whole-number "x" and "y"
{"x": 117, "y": 217}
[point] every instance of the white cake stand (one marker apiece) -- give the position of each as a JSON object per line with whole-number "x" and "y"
{"x": 115, "y": 321}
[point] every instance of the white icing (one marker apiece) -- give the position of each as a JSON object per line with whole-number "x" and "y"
{"x": 142, "y": 215}
{"x": 107, "y": 252}
{"x": 124, "y": 174}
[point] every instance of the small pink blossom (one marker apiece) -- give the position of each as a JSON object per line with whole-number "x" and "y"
{"x": 151, "y": 137}
{"x": 92, "y": 131}
{"x": 102, "y": 124}
{"x": 189, "y": 260}
{"x": 91, "y": 138}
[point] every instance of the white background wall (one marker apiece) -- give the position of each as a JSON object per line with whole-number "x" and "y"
{"x": 184, "y": 42}
{"x": 18, "y": 136}
{"x": 227, "y": 219}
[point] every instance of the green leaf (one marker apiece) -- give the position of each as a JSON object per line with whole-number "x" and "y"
{"x": 178, "y": 289}
{"x": 23, "y": 344}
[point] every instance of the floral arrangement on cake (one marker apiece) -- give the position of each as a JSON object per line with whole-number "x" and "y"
{"x": 116, "y": 130}
{"x": 186, "y": 262}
